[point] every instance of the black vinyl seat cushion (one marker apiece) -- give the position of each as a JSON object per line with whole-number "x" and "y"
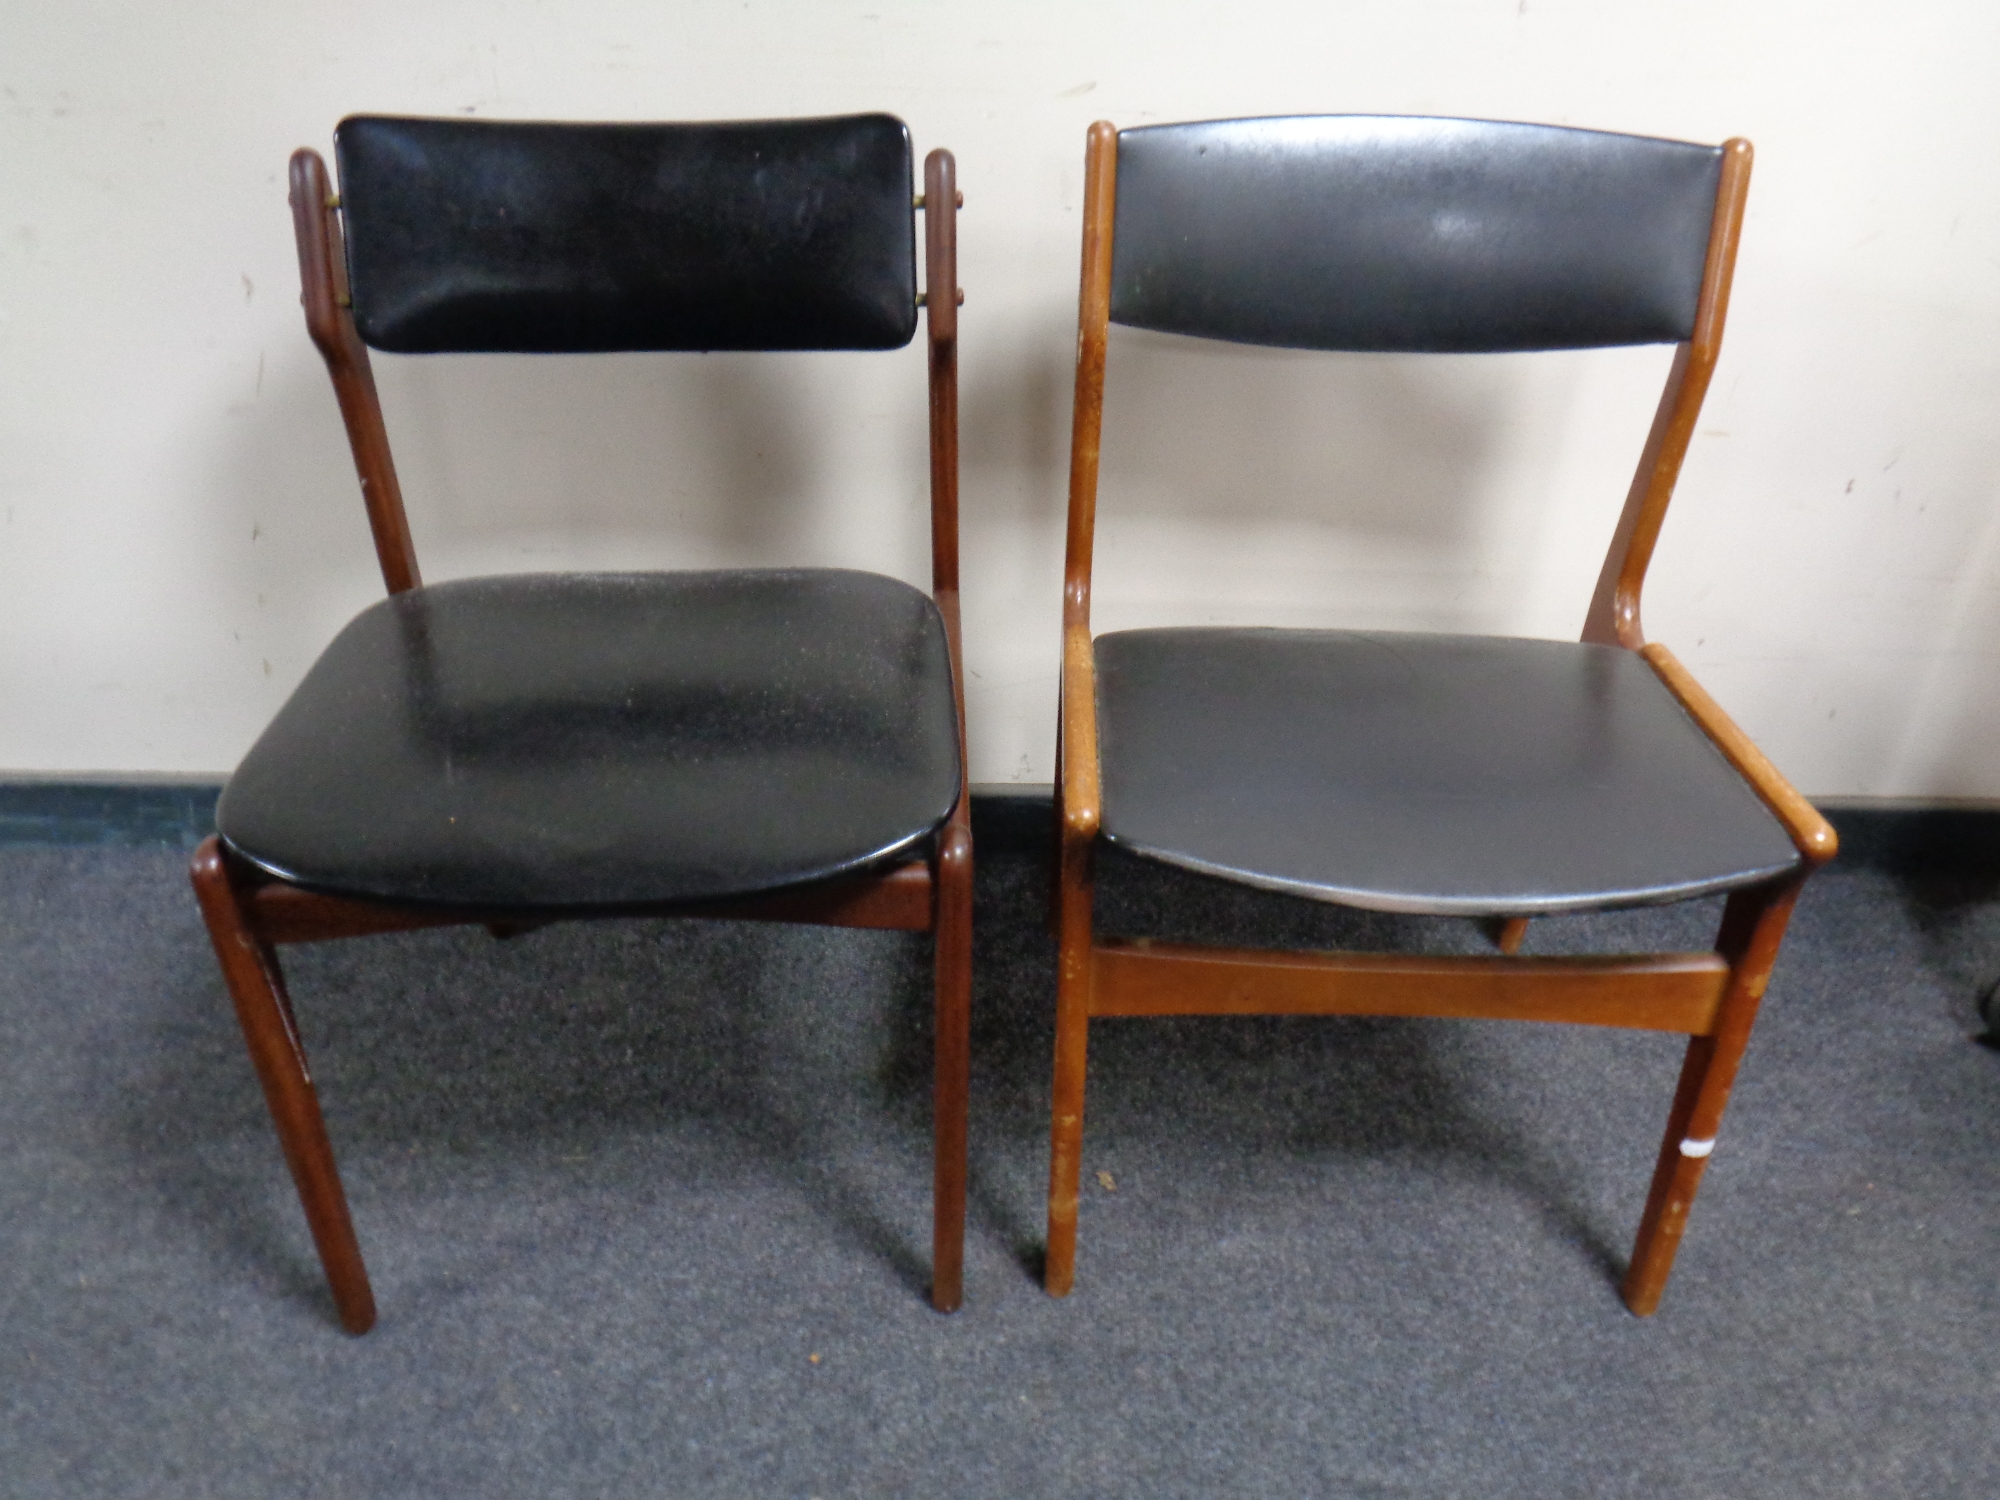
{"x": 1420, "y": 773}
{"x": 561, "y": 742}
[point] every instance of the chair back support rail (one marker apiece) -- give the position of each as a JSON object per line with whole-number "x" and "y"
{"x": 385, "y": 262}
{"x": 1643, "y": 235}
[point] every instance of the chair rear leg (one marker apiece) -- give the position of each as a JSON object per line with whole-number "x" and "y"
{"x": 953, "y": 1066}
{"x": 1753, "y": 924}
{"x": 1073, "y": 976}
{"x": 256, "y": 984}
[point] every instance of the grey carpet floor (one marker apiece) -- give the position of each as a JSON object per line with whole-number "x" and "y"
{"x": 646, "y": 1208}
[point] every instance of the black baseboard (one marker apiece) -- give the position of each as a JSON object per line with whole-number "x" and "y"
{"x": 177, "y": 812}
{"x": 1010, "y": 818}
{"x": 173, "y": 812}
{"x": 1013, "y": 818}
{"x": 180, "y": 812}
{"x": 1917, "y": 836}
{"x": 164, "y": 812}
{"x": 1904, "y": 835}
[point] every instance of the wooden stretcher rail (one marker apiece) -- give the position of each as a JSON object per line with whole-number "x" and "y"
{"x": 899, "y": 900}
{"x": 1677, "y": 992}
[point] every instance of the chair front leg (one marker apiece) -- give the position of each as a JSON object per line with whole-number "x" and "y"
{"x": 953, "y": 1064}
{"x": 1073, "y": 977}
{"x": 257, "y": 985}
{"x": 1753, "y": 924}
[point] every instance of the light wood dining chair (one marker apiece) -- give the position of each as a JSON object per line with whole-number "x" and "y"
{"x": 1443, "y": 774}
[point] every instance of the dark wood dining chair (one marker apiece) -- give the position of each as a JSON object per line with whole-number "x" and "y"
{"x": 774, "y": 744}
{"x": 1404, "y": 772}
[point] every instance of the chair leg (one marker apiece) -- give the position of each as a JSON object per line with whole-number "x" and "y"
{"x": 1073, "y": 976}
{"x": 257, "y": 985}
{"x": 1753, "y": 924}
{"x": 1512, "y": 932}
{"x": 953, "y": 1066}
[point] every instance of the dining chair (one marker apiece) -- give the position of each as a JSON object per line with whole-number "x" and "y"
{"x": 773, "y": 744}
{"x": 1450, "y": 775}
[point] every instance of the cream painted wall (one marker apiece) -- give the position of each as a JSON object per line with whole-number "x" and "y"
{"x": 179, "y": 526}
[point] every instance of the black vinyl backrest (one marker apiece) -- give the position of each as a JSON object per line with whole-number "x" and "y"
{"x": 468, "y": 235}
{"x": 1389, "y": 232}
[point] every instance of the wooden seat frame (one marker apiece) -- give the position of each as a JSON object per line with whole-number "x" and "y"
{"x": 250, "y": 913}
{"x": 1710, "y": 997}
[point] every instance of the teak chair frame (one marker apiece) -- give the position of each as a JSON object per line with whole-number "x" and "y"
{"x": 250, "y": 914}
{"x": 1710, "y": 997}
